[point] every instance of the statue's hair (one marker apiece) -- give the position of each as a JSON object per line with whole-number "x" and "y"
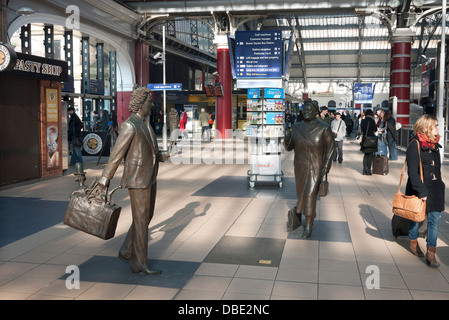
{"x": 137, "y": 99}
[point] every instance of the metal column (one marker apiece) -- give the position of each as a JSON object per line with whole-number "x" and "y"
{"x": 68, "y": 52}
{"x": 100, "y": 73}
{"x": 25, "y": 37}
{"x": 85, "y": 75}
{"x": 48, "y": 41}
{"x": 113, "y": 79}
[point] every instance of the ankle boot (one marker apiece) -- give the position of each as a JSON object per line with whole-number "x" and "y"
{"x": 430, "y": 257}
{"x": 308, "y": 228}
{"x": 414, "y": 247}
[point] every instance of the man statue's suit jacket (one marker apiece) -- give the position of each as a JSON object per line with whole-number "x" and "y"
{"x": 136, "y": 144}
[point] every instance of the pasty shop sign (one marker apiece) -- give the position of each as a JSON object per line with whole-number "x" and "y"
{"x": 23, "y": 65}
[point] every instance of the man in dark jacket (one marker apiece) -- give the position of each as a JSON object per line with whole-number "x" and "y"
{"x": 75, "y": 137}
{"x": 314, "y": 146}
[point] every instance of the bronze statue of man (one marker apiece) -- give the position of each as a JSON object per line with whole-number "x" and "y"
{"x": 314, "y": 146}
{"x": 137, "y": 146}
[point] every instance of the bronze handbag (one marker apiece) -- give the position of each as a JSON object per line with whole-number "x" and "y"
{"x": 409, "y": 207}
{"x": 92, "y": 212}
{"x": 324, "y": 188}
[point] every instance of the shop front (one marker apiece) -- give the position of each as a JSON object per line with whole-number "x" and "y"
{"x": 32, "y": 133}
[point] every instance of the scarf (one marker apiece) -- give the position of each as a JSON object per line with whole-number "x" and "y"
{"x": 426, "y": 142}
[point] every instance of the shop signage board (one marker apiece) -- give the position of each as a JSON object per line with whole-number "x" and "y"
{"x": 35, "y": 67}
{"x": 258, "y": 54}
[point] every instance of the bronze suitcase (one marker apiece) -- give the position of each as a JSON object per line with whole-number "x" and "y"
{"x": 92, "y": 213}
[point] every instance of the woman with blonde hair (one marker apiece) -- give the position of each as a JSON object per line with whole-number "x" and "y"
{"x": 424, "y": 147}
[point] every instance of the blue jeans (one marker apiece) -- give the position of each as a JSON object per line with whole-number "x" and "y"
{"x": 392, "y": 149}
{"x": 339, "y": 153}
{"x": 77, "y": 156}
{"x": 433, "y": 221}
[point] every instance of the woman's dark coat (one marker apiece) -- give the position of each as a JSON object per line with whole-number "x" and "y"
{"x": 369, "y": 132}
{"x": 433, "y": 186}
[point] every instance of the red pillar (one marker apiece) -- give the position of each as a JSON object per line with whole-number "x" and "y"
{"x": 223, "y": 115}
{"x": 401, "y": 44}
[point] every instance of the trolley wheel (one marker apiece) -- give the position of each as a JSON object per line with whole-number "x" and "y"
{"x": 280, "y": 184}
{"x": 252, "y": 184}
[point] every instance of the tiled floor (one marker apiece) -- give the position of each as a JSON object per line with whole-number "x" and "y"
{"x": 214, "y": 238}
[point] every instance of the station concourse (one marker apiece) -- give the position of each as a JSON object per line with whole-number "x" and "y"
{"x": 215, "y": 238}
{"x": 216, "y": 234}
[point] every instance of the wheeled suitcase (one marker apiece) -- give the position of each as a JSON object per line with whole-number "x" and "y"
{"x": 400, "y": 226}
{"x": 380, "y": 160}
{"x": 93, "y": 213}
{"x": 380, "y": 165}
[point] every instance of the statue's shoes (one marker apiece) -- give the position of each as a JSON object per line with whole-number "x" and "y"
{"x": 145, "y": 270}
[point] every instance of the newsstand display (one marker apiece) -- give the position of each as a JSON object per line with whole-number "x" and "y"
{"x": 265, "y": 131}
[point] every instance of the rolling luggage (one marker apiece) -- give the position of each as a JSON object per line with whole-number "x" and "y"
{"x": 380, "y": 165}
{"x": 399, "y": 227}
{"x": 380, "y": 161}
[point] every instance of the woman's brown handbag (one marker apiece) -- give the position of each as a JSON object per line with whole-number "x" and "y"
{"x": 409, "y": 207}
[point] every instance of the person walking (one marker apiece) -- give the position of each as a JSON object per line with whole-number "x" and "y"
{"x": 424, "y": 147}
{"x": 75, "y": 137}
{"x": 182, "y": 124}
{"x": 392, "y": 135}
{"x": 368, "y": 127}
{"x": 338, "y": 127}
{"x": 324, "y": 115}
{"x": 203, "y": 118}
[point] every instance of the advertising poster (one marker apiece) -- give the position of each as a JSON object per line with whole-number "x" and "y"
{"x": 364, "y": 92}
{"x": 52, "y": 105}
{"x": 52, "y": 109}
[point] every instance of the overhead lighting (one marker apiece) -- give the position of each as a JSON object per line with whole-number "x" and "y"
{"x": 418, "y": 3}
{"x": 394, "y": 3}
{"x": 26, "y": 11}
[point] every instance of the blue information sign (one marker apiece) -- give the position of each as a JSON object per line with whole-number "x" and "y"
{"x": 274, "y": 93}
{"x": 364, "y": 92}
{"x": 258, "y": 54}
{"x": 162, "y": 87}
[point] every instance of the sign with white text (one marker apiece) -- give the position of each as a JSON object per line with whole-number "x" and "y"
{"x": 258, "y": 54}
{"x": 162, "y": 87}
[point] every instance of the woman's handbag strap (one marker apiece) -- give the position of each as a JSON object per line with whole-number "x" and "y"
{"x": 420, "y": 166}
